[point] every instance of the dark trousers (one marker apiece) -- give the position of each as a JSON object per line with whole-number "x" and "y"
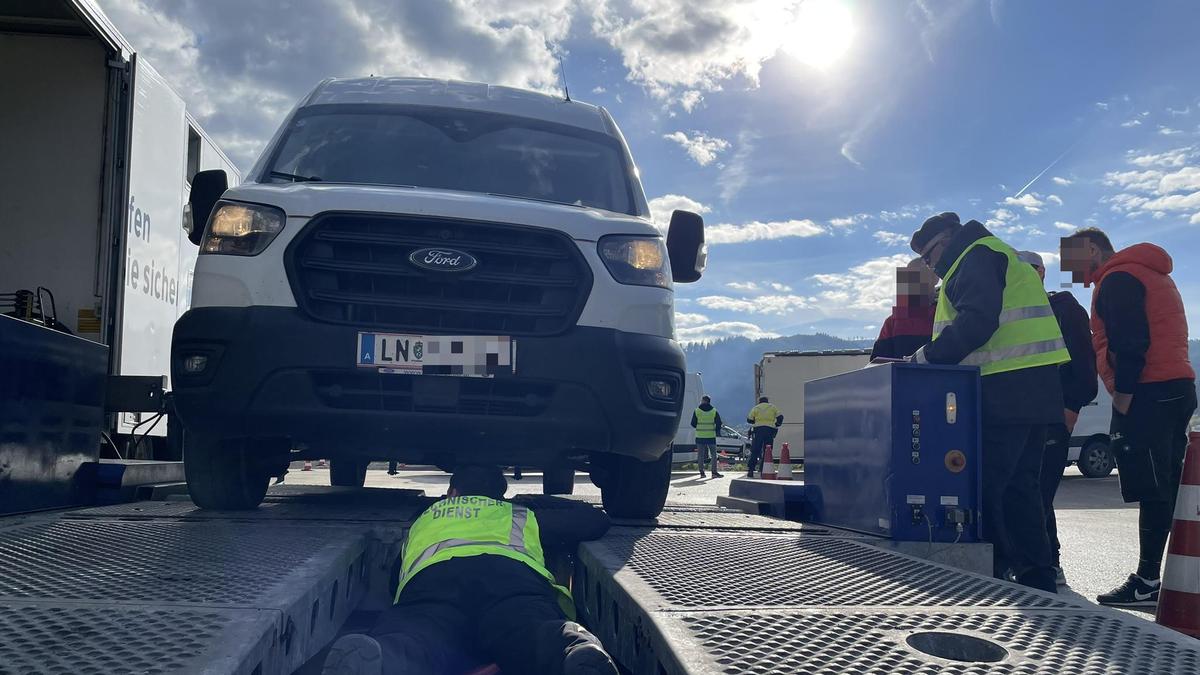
{"x": 1013, "y": 519}
{"x": 1054, "y": 462}
{"x": 703, "y": 453}
{"x": 1149, "y": 444}
{"x": 758, "y": 441}
{"x": 467, "y": 612}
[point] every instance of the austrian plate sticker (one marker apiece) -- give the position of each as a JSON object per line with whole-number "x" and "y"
{"x": 461, "y": 355}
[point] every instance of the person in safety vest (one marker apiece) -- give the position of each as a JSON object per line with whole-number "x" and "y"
{"x": 472, "y": 588}
{"x": 706, "y": 421}
{"x": 1140, "y": 338}
{"x": 992, "y": 312}
{"x": 1078, "y": 378}
{"x": 765, "y": 420}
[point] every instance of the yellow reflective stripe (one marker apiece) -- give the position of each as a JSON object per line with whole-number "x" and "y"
{"x": 979, "y": 358}
{"x": 1006, "y": 316}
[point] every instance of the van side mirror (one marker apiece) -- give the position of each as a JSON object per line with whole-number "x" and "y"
{"x": 207, "y": 188}
{"x": 685, "y": 245}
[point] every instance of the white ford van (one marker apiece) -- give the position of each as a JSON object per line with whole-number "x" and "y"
{"x": 434, "y": 272}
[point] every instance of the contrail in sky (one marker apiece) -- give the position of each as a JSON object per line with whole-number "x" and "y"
{"x": 1051, "y": 166}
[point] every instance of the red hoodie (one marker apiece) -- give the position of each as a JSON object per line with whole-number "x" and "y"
{"x": 1167, "y": 356}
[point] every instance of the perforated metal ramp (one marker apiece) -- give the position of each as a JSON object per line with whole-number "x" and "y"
{"x": 668, "y": 602}
{"x": 165, "y": 587}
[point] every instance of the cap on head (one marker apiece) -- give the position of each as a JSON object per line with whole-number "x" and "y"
{"x": 479, "y": 480}
{"x": 705, "y": 399}
{"x": 1031, "y": 258}
{"x": 931, "y": 229}
{"x": 762, "y": 399}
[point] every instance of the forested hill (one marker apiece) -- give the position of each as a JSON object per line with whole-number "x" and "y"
{"x": 727, "y": 365}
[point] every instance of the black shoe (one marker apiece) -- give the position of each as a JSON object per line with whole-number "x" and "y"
{"x": 702, "y": 475}
{"x": 1135, "y": 592}
{"x": 354, "y": 654}
{"x": 718, "y": 475}
{"x": 588, "y": 660}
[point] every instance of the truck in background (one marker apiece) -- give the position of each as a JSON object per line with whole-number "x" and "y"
{"x": 731, "y": 443}
{"x": 99, "y": 153}
{"x": 781, "y": 376}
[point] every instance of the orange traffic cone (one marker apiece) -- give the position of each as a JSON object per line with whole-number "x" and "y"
{"x": 768, "y": 470}
{"x": 785, "y": 463}
{"x": 1179, "y": 597}
{"x": 307, "y": 465}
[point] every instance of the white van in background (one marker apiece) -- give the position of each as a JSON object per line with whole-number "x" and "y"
{"x": 1090, "y": 449}
{"x": 730, "y": 442}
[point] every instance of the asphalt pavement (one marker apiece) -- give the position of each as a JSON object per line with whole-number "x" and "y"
{"x": 1097, "y": 530}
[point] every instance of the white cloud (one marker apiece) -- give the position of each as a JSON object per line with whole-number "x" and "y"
{"x": 599, "y": 90}
{"x": 1131, "y": 123}
{"x": 1168, "y": 131}
{"x": 780, "y": 288}
{"x": 1055, "y": 199}
{"x": 662, "y": 207}
{"x": 1059, "y": 180}
{"x": 763, "y": 304}
{"x": 702, "y": 148}
{"x": 1176, "y": 112}
{"x": 1028, "y": 201}
{"x": 722, "y": 329}
{"x": 690, "y": 99}
{"x": 1187, "y": 178}
{"x": 1195, "y": 219}
{"x": 1186, "y": 202}
{"x": 743, "y": 285}
{"x": 891, "y": 238}
{"x": 689, "y": 319}
{"x": 755, "y": 230}
{"x": 1065, "y": 227}
{"x": 736, "y": 173}
{"x": 849, "y": 221}
{"x": 1170, "y": 159}
{"x": 867, "y": 287}
{"x": 1101, "y": 105}
{"x": 1134, "y": 180}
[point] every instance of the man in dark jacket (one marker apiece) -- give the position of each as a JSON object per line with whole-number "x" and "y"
{"x": 1140, "y": 337}
{"x": 910, "y": 325}
{"x": 1078, "y": 377}
{"x": 473, "y": 588}
{"x": 993, "y": 312}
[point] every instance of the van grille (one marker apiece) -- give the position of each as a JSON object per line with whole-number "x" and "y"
{"x": 507, "y": 397}
{"x": 354, "y": 269}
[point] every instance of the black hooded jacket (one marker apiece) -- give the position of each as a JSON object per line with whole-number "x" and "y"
{"x": 976, "y": 291}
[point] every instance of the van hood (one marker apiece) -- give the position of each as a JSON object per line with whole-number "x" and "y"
{"x": 304, "y": 200}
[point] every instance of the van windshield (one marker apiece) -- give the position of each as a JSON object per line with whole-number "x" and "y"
{"x": 455, "y": 150}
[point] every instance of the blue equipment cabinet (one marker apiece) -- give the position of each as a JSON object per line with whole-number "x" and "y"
{"x": 894, "y": 450}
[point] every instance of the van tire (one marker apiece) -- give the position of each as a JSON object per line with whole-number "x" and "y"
{"x": 223, "y": 474}
{"x": 348, "y": 472}
{"x": 635, "y": 489}
{"x": 558, "y": 479}
{"x": 1095, "y": 458}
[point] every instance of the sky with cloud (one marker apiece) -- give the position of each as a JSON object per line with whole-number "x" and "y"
{"x": 812, "y": 136}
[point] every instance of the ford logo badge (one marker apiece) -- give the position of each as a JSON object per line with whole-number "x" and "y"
{"x": 442, "y": 260}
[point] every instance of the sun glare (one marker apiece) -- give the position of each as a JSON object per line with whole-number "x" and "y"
{"x": 821, "y": 34}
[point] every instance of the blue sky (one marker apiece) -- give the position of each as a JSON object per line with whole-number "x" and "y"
{"x": 814, "y": 136}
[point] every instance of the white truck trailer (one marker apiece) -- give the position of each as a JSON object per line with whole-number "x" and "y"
{"x": 781, "y": 376}
{"x": 98, "y": 156}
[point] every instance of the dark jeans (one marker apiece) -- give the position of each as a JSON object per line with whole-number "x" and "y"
{"x": 1054, "y": 462}
{"x": 704, "y": 451}
{"x": 467, "y": 612}
{"x": 1149, "y": 445}
{"x": 759, "y": 440}
{"x": 1013, "y": 519}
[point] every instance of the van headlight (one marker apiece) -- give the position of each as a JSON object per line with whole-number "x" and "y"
{"x": 639, "y": 261}
{"x": 241, "y": 229}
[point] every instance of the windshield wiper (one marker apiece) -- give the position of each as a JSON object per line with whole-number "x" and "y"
{"x": 534, "y": 199}
{"x": 294, "y": 177}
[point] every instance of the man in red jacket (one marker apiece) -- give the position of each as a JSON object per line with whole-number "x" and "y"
{"x": 910, "y": 325}
{"x": 1140, "y": 336}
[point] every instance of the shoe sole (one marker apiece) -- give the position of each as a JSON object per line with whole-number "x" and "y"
{"x": 1131, "y": 603}
{"x": 354, "y": 655}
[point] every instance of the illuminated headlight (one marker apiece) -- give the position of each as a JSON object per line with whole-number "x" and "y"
{"x": 640, "y": 261}
{"x": 241, "y": 229}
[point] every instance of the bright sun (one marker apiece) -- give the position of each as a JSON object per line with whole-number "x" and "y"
{"x": 822, "y": 32}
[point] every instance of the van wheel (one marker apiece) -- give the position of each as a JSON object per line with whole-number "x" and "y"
{"x": 1096, "y": 459}
{"x": 635, "y": 489}
{"x": 227, "y": 475}
{"x": 348, "y": 472}
{"x": 558, "y": 479}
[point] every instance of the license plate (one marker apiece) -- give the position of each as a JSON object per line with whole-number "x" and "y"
{"x": 459, "y": 355}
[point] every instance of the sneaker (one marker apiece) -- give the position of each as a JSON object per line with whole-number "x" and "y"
{"x": 1135, "y": 592}
{"x": 588, "y": 659}
{"x": 354, "y": 654}
{"x": 702, "y": 475}
{"x": 1060, "y": 579}
{"x": 718, "y": 475}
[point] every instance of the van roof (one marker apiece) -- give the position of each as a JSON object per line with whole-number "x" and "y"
{"x": 458, "y": 94}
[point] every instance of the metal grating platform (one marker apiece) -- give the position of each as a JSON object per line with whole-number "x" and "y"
{"x": 794, "y": 570}
{"x": 284, "y": 509}
{"x": 719, "y": 520}
{"x": 674, "y": 602}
